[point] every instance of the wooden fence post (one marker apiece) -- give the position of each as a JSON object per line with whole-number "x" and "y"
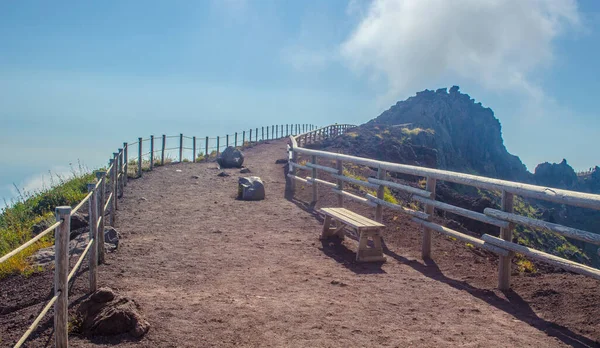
{"x": 262, "y": 137}
{"x": 111, "y": 206}
{"x": 243, "y": 137}
{"x": 380, "y": 194}
{"x": 116, "y": 177}
{"x": 287, "y": 130}
{"x": 194, "y": 150}
{"x": 504, "y": 263}
{"x": 267, "y": 132}
{"x": 217, "y": 146}
{"x": 180, "y": 147}
{"x": 250, "y": 135}
{"x": 293, "y": 170}
{"x": 206, "y": 154}
{"x": 125, "y": 163}
{"x": 120, "y": 173}
{"x": 140, "y": 157}
{"x": 162, "y": 150}
{"x": 226, "y": 140}
{"x": 276, "y": 132}
{"x": 101, "y": 176}
{"x": 235, "y": 140}
{"x": 93, "y": 221}
{"x": 429, "y": 209}
{"x": 61, "y": 275}
{"x": 152, "y": 152}
{"x": 313, "y": 160}
{"x": 340, "y": 183}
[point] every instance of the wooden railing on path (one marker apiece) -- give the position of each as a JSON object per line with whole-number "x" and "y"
{"x": 505, "y": 218}
{"x": 113, "y": 180}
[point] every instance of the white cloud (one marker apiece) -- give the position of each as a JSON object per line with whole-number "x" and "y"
{"x": 497, "y": 44}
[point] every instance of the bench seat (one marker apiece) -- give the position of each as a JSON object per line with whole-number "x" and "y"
{"x": 365, "y": 228}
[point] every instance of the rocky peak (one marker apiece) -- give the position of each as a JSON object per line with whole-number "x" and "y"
{"x": 560, "y": 175}
{"x": 468, "y": 138}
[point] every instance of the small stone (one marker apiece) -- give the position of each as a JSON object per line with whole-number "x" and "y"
{"x": 178, "y": 170}
{"x": 335, "y": 282}
{"x": 195, "y": 177}
{"x": 281, "y": 161}
{"x": 245, "y": 170}
{"x": 223, "y": 174}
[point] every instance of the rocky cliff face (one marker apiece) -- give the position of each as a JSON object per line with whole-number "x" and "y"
{"x": 559, "y": 175}
{"x": 468, "y": 138}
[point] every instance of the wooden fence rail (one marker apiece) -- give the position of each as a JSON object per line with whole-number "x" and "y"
{"x": 102, "y": 199}
{"x": 505, "y": 218}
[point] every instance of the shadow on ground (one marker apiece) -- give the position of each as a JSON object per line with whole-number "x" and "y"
{"x": 513, "y": 304}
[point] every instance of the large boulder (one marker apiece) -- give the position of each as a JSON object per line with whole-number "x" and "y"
{"x": 105, "y": 313}
{"x": 231, "y": 158}
{"x": 251, "y": 189}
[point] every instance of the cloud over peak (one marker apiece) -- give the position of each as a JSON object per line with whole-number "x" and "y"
{"x": 497, "y": 44}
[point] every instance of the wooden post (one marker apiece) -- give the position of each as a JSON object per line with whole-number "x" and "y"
{"x": 162, "y": 150}
{"x": 152, "y": 152}
{"x": 206, "y": 148}
{"x": 194, "y": 150}
{"x": 282, "y": 132}
{"x": 263, "y": 134}
{"x": 93, "y": 221}
{"x": 125, "y": 164}
{"x": 226, "y": 140}
{"x": 217, "y": 146}
{"x": 313, "y": 160}
{"x": 504, "y": 264}
{"x": 180, "y": 148}
{"x": 293, "y": 170}
{"x": 340, "y": 183}
{"x": 429, "y": 209}
{"x": 116, "y": 177}
{"x": 111, "y": 206}
{"x": 276, "y": 132}
{"x": 267, "y": 132}
{"x": 61, "y": 274}
{"x": 235, "y": 139}
{"x": 101, "y": 176}
{"x": 140, "y": 157}
{"x": 121, "y": 173}
{"x": 287, "y": 130}
{"x": 256, "y": 135}
{"x": 380, "y": 194}
{"x": 243, "y": 137}
{"x": 250, "y": 135}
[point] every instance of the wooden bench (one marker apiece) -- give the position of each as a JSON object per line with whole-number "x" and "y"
{"x": 364, "y": 227}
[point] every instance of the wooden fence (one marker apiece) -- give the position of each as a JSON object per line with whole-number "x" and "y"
{"x": 101, "y": 206}
{"x": 505, "y": 218}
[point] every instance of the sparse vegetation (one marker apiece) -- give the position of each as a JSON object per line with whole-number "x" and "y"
{"x": 30, "y": 208}
{"x": 416, "y": 131}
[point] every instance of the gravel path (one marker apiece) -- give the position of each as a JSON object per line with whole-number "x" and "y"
{"x": 209, "y": 270}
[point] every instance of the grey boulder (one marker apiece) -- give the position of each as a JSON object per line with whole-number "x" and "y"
{"x": 231, "y": 158}
{"x": 251, "y": 189}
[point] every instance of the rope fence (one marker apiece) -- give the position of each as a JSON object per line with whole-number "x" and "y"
{"x": 102, "y": 205}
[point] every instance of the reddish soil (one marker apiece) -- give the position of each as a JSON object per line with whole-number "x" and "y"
{"x": 209, "y": 270}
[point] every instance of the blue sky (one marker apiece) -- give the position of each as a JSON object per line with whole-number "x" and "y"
{"x": 77, "y": 79}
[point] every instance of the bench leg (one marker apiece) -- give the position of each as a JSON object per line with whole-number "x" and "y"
{"x": 366, "y": 254}
{"x": 325, "y": 233}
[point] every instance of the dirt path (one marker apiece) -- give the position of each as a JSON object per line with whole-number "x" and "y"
{"x": 209, "y": 270}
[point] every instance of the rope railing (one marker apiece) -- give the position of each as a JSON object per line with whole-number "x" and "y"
{"x": 113, "y": 179}
{"x": 30, "y": 242}
{"x": 83, "y": 201}
{"x": 36, "y": 322}
{"x": 80, "y": 260}
{"x": 505, "y": 219}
